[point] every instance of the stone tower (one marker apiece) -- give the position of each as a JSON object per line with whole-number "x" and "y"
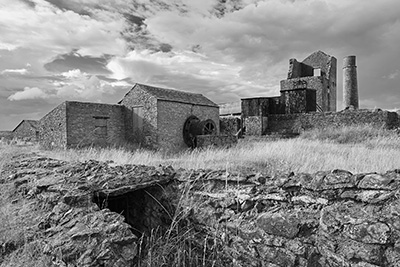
{"x": 350, "y": 87}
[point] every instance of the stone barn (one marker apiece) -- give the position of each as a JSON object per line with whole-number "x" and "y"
{"x": 79, "y": 124}
{"x": 154, "y": 117}
{"x": 170, "y": 119}
{"x": 26, "y": 130}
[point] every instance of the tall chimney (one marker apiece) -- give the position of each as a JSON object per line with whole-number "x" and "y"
{"x": 350, "y": 87}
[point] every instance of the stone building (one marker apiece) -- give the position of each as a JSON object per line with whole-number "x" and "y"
{"x": 79, "y": 124}
{"x": 316, "y": 72}
{"x": 26, "y": 130}
{"x": 162, "y": 116}
{"x": 154, "y": 117}
{"x": 310, "y": 87}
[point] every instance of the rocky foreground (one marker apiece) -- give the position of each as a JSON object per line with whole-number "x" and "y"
{"x": 98, "y": 214}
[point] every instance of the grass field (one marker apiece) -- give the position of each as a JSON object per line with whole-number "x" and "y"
{"x": 356, "y": 149}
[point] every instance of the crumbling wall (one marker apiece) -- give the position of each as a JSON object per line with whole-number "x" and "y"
{"x": 253, "y": 125}
{"x": 79, "y": 215}
{"x": 330, "y": 218}
{"x": 230, "y": 125}
{"x": 296, "y": 123}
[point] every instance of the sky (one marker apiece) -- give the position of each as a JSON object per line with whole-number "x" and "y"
{"x": 95, "y": 51}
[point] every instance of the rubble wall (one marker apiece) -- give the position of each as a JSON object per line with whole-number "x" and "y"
{"x": 296, "y": 123}
{"x": 229, "y": 125}
{"x": 329, "y": 218}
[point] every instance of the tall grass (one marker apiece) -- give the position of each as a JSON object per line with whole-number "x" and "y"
{"x": 357, "y": 149}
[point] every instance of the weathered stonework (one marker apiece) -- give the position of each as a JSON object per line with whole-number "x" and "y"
{"x": 81, "y": 124}
{"x": 301, "y": 76}
{"x": 27, "y": 130}
{"x": 230, "y": 125}
{"x": 7, "y": 135}
{"x": 299, "y": 101}
{"x": 350, "y": 85}
{"x": 296, "y": 123}
{"x": 254, "y": 125}
{"x": 53, "y": 128}
{"x": 171, "y": 119}
{"x": 150, "y": 116}
{"x": 94, "y": 213}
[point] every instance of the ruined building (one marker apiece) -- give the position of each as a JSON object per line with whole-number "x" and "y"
{"x": 308, "y": 100}
{"x": 310, "y": 87}
{"x": 154, "y": 117}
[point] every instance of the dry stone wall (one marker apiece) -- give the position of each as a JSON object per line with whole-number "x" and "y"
{"x": 93, "y": 214}
{"x": 331, "y": 218}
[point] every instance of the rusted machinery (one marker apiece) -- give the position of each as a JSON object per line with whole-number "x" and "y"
{"x": 194, "y": 126}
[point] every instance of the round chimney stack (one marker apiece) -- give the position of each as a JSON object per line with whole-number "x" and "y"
{"x": 350, "y": 87}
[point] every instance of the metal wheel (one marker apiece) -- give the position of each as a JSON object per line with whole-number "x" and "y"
{"x": 189, "y": 137}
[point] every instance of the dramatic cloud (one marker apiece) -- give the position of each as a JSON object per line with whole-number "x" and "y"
{"x": 54, "y": 50}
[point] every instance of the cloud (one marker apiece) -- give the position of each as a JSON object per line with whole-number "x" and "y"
{"x": 53, "y": 30}
{"x": 14, "y": 71}
{"x": 73, "y": 84}
{"x": 392, "y": 75}
{"x": 28, "y": 93}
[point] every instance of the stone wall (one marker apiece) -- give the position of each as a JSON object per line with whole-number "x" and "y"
{"x": 53, "y": 128}
{"x": 216, "y": 140}
{"x": 299, "y": 100}
{"x": 172, "y": 117}
{"x": 83, "y": 121}
{"x": 6, "y": 135}
{"x": 330, "y": 218}
{"x": 296, "y": 123}
{"x": 317, "y": 83}
{"x": 94, "y": 213}
{"x": 255, "y": 125}
{"x": 140, "y": 98}
{"x": 230, "y": 125}
{"x": 27, "y": 130}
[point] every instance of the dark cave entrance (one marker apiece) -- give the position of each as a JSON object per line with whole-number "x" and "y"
{"x": 143, "y": 209}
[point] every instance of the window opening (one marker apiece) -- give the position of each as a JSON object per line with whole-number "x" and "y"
{"x": 100, "y": 126}
{"x": 317, "y": 72}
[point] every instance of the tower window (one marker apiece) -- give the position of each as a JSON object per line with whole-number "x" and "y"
{"x": 317, "y": 72}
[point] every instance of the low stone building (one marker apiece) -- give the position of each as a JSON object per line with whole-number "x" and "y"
{"x": 154, "y": 117}
{"x": 164, "y": 118}
{"x": 79, "y": 124}
{"x": 26, "y": 130}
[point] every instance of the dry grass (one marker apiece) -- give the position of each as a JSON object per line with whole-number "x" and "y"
{"x": 357, "y": 149}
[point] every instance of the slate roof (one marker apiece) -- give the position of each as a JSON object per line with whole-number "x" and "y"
{"x": 176, "y": 95}
{"x": 31, "y": 123}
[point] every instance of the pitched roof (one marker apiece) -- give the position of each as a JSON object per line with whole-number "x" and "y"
{"x": 31, "y": 123}
{"x": 176, "y": 95}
